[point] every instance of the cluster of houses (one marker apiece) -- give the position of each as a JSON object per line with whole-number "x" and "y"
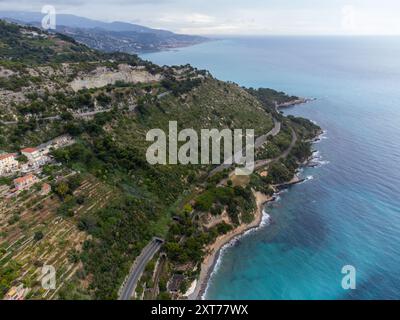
{"x": 16, "y": 293}
{"x": 36, "y": 158}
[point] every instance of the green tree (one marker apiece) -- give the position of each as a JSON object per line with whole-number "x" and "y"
{"x": 38, "y": 236}
{"x": 62, "y": 189}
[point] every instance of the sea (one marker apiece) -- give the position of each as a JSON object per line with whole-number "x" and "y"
{"x": 346, "y": 214}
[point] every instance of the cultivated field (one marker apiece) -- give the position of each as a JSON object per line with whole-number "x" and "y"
{"x": 33, "y": 234}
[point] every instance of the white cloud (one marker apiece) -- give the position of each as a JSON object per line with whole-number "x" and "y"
{"x": 196, "y": 18}
{"x": 199, "y": 18}
{"x": 251, "y": 17}
{"x": 212, "y": 30}
{"x": 349, "y": 18}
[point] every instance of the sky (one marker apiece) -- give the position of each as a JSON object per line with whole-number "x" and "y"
{"x": 237, "y": 17}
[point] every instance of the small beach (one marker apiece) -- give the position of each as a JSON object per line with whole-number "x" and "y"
{"x": 214, "y": 249}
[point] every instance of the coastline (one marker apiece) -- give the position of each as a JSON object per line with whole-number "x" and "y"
{"x": 294, "y": 102}
{"x": 215, "y": 248}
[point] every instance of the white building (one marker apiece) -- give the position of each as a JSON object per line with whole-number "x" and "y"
{"x": 56, "y": 143}
{"x": 33, "y": 154}
{"x": 8, "y": 163}
{"x": 44, "y": 149}
{"x": 62, "y": 141}
{"x": 36, "y": 159}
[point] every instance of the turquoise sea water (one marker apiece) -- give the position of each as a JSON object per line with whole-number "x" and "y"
{"x": 348, "y": 212}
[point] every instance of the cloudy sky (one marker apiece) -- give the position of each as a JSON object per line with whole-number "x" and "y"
{"x": 234, "y": 17}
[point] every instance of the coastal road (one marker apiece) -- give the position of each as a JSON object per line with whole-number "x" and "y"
{"x": 262, "y": 163}
{"x": 90, "y": 113}
{"x": 82, "y": 114}
{"x": 129, "y": 286}
{"x": 258, "y": 143}
{"x": 200, "y": 286}
{"x": 262, "y": 139}
{"x": 75, "y": 115}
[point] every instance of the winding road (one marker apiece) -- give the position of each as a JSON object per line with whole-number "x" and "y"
{"x": 261, "y": 163}
{"x": 129, "y": 286}
{"x": 75, "y": 115}
{"x": 258, "y": 143}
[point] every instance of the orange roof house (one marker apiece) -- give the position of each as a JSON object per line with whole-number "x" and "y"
{"x": 46, "y": 188}
{"x": 32, "y": 154}
{"x": 7, "y": 155}
{"x": 25, "y": 182}
{"x": 29, "y": 150}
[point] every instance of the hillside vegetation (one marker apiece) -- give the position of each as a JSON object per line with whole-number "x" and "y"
{"x": 109, "y": 123}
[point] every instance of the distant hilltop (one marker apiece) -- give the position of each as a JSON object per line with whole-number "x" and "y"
{"x": 109, "y": 36}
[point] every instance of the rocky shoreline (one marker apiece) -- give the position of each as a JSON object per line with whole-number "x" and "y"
{"x": 294, "y": 102}
{"x": 215, "y": 248}
{"x": 209, "y": 263}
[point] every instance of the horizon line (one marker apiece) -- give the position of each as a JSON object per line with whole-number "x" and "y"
{"x": 219, "y": 35}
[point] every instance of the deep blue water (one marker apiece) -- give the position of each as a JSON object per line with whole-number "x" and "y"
{"x": 349, "y": 213}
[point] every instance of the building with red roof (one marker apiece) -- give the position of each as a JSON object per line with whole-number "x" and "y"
{"x": 25, "y": 182}
{"x": 33, "y": 154}
{"x": 46, "y": 189}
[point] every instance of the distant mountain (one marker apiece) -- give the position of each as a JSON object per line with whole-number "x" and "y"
{"x": 109, "y": 36}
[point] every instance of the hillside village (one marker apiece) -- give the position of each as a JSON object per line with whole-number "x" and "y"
{"x": 34, "y": 230}
{"x": 26, "y": 165}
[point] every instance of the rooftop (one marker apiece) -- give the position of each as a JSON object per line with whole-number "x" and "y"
{"x": 29, "y": 150}
{"x": 46, "y": 187}
{"x": 7, "y": 155}
{"x": 24, "y": 178}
